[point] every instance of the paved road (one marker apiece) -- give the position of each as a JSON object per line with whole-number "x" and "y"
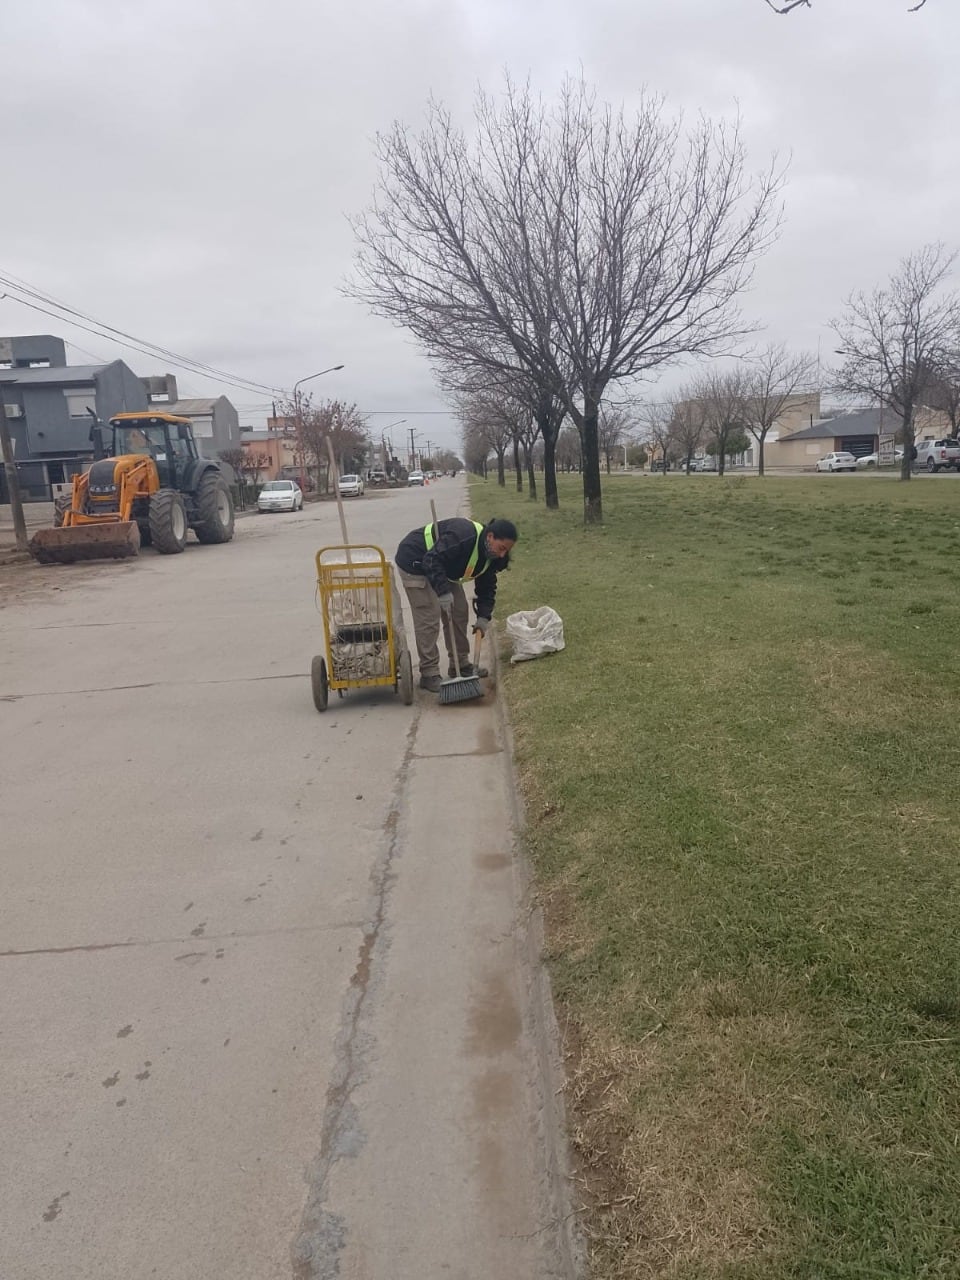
{"x": 263, "y": 1011}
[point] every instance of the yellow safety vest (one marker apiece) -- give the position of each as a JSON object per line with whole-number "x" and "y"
{"x": 474, "y": 555}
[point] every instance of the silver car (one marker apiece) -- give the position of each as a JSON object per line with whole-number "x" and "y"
{"x": 351, "y": 487}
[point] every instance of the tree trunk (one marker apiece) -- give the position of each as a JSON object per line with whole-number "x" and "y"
{"x": 501, "y": 470}
{"x": 549, "y": 434}
{"x": 531, "y": 474}
{"x": 906, "y": 463}
{"x": 760, "y": 443}
{"x": 517, "y": 464}
{"x": 590, "y": 455}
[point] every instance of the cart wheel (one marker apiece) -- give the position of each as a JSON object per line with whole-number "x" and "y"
{"x": 405, "y": 677}
{"x": 318, "y": 682}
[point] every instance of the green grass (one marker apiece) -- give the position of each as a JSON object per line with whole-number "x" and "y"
{"x": 741, "y": 780}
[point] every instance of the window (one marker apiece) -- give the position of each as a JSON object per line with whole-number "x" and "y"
{"x": 78, "y": 402}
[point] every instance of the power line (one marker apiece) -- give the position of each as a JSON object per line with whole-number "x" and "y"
{"x": 68, "y": 314}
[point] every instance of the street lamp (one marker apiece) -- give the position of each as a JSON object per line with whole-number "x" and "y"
{"x": 299, "y": 415}
{"x": 388, "y": 458}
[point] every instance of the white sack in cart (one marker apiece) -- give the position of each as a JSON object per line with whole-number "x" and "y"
{"x": 534, "y": 633}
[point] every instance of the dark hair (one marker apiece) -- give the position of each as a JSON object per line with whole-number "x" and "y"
{"x": 503, "y": 529}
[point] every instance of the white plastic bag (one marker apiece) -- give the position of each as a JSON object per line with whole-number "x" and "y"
{"x": 534, "y": 633}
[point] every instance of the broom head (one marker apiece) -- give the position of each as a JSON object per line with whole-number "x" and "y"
{"x": 460, "y": 689}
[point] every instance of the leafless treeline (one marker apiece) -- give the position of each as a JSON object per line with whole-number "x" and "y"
{"x": 721, "y": 411}
{"x": 899, "y": 346}
{"x": 561, "y": 250}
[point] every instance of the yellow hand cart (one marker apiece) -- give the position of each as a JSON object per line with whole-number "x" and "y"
{"x": 365, "y": 645}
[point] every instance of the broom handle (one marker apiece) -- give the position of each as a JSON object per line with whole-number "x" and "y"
{"x": 476, "y": 651}
{"x": 336, "y": 489}
{"x": 448, "y": 633}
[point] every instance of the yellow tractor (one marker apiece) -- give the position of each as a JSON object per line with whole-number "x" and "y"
{"x": 150, "y": 489}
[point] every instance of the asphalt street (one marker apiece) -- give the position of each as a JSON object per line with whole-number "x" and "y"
{"x": 265, "y": 1002}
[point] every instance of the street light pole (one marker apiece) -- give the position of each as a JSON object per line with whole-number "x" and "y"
{"x": 298, "y": 412}
{"x": 388, "y": 458}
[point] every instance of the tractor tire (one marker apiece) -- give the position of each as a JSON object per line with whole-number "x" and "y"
{"x": 168, "y": 522}
{"x": 214, "y": 509}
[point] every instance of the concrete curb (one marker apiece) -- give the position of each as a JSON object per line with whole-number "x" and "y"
{"x": 543, "y": 1027}
{"x": 542, "y": 1024}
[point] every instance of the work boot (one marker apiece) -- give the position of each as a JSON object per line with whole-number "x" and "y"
{"x": 468, "y": 669}
{"x": 431, "y": 683}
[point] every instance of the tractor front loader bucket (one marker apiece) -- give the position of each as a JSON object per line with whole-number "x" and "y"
{"x": 115, "y": 540}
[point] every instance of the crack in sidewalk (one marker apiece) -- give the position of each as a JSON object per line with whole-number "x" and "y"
{"x": 318, "y": 1244}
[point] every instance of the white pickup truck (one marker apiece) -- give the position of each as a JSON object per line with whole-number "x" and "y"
{"x": 934, "y": 454}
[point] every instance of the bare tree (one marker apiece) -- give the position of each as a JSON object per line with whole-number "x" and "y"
{"x": 722, "y": 396}
{"x": 531, "y": 411}
{"x": 569, "y": 450}
{"x": 587, "y": 246}
{"x": 612, "y": 425}
{"x": 772, "y": 384}
{"x": 657, "y": 427}
{"x": 899, "y": 340}
{"x": 944, "y": 391}
{"x": 685, "y": 413}
{"x": 493, "y": 419}
{"x": 342, "y": 423}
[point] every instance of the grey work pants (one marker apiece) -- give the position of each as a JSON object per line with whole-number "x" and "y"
{"x": 425, "y": 610}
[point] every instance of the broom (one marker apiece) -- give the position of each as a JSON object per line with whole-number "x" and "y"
{"x": 462, "y": 688}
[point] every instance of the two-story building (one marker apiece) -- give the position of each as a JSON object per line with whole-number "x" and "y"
{"x": 48, "y": 403}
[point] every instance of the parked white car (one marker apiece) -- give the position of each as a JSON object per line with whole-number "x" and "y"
{"x": 415, "y": 477}
{"x": 873, "y": 459}
{"x": 351, "y": 487}
{"x": 280, "y": 495}
{"x": 837, "y": 462}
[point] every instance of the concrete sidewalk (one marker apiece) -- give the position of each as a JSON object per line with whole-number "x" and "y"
{"x": 447, "y": 1106}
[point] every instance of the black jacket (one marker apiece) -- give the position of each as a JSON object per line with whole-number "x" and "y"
{"x": 446, "y": 563}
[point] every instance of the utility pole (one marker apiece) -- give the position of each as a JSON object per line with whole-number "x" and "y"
{"x": 13, "y": 485}
{"x": 413, "y": 456}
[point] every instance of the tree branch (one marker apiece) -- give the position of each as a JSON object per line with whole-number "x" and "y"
{"x": 795, "y": 4}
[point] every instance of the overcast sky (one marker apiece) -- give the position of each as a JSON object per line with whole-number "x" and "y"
{"x": 182, "y": 169}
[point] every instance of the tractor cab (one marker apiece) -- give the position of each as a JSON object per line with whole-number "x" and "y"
{"x": 166, "y": 438}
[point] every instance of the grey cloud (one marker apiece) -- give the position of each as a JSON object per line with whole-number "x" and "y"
{"x": 185, "y": 171}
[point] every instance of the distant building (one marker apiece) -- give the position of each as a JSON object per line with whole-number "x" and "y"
{"x": 216, "y": 423}
{"x": 46, "y": 403}
{"x": 859, "y": 433}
